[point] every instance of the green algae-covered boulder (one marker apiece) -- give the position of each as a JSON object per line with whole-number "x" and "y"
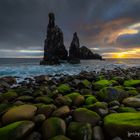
{"x": 109, "y": 94}
{"x": 4, "y": 107}
{"x": 52, "y": 127}
{"x": 23, "y": 112}
{"x": 132, "y": 101}
{"x": 80, "y": 131}
{"x": 97, "y": 105}
{"x": 126, "y": 109}
{"x": 119, "y": 124}
{"x": 76, "y": 98}
{"x": 132, "y": 83}
{"x": 44, "y": 99}
{"x": 85, "y": 115}
{"x": 86, "y": 83}
{"x": 63, "y": 100}
{"x": 9, "y": 95}
{"x": 90, "y": 100}
{"x": 64, "y": 88}
{"x": 16, "y": 131}
{"x": 101, "y": 84}
{"x": 61, "y": 112}
{"x": 47, "y": 110}
{"x": 25, "y": 98}
{"x": 60, "y": 137}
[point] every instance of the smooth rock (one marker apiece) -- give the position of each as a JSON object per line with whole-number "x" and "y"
{"x": 52, "y": 127}
{"x": 23, "y": 112}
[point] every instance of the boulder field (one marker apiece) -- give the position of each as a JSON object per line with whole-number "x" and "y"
{"x": 87, "y": 106}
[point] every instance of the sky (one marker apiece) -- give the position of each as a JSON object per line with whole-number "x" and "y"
{"x": 108, "y": 27}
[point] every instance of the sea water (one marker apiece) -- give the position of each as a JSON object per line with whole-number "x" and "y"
{"x": 23, "y": 68}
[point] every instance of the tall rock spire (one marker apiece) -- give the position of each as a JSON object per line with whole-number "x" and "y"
{"x": 74, "y": 51}
{"x": 54, "y": 49}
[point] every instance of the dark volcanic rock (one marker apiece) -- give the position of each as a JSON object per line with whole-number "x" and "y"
{"x": 86, "y": 53}
{"x": 54, "y": 48}
{"x": 74, "y": 51}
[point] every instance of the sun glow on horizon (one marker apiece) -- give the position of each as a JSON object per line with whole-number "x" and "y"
{"x": 133, "y": 53}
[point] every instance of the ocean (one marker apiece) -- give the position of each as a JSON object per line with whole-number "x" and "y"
{"x": 24, "y": 67}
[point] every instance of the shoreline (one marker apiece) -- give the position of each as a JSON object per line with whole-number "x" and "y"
{"x": 97, "y": 104}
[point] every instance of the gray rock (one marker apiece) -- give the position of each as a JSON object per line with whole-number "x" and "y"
{"x": 98, "y": 133}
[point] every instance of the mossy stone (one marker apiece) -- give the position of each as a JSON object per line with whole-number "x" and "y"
{"x": 47, "y": 110}
{"x": 80, "y": 131}
{"x": 90, "y": 100}
{"x": 18, "y": 113}
{"x": 76, "y": 98}
{"x": 101, "y": 84}
{"x": 97, "y": 105}
{"x": 44, "y": 99}
{"x": 9, "y": 95}
{"x": 64, "y": 88}
{"x": 25, "y": 98}
{"x": 61, "y": 112}
{"x": 109, "y": 94}
{"x": 131, "y": 83}
{"x": 126, "y": 109}
{"x": 52, "y": 127}
{"x": 132, "y": 102}
{"x": 119, "y": 124}
{"x": 63, "y": 100}
{"x": 85, "y": 115}
{"x": 16, "y": 131}
{"x": 60, "y": 137}
{"x": 86, "y": 83}
{"x": 4, "y": 107}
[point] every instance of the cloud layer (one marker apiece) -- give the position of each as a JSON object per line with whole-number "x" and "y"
{"x": 112, "y": 26}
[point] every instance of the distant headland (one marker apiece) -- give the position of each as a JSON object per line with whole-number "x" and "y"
{"x": 55, "y": 50}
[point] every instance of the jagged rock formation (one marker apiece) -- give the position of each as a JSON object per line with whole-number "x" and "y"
{"x": 74, "y": 51}
{"x": 54, "y": 49}
{"x": 86, "y": 53}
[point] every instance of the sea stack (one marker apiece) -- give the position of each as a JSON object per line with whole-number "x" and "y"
{"x": 54, "y": 49}
{"x": 74, "y": 51}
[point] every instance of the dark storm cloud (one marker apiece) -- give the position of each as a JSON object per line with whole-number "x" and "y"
{"x": 23, "y": 22}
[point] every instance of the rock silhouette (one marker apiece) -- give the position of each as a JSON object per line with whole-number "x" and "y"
{"x": 86, "y": 53}
{"x": 54, "y": 49}
{"x": 74, "y": 51}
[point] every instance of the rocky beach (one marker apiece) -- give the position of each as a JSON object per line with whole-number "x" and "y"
{"x": 86, "y": 106}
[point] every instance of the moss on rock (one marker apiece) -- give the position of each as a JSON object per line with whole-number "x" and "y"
{"x": 9, "y": 95}
{"x": 85, "y": 115}
{"x": 80, "y": 131}
{"x": 101, "y": 84}
{"x": 109, "y": 94}
{"x": 119, "y": 124}
{"x": 126, "y": 109}
{"x": 64, "y": 88}
{"x": 16, "y": 130}
{"x": 52, "y": 127}
{"x": 131, "y": 83}
{"x": 44, "y": 99}
{"x": 90, "y": 100}
{"x": 23, "y": 112}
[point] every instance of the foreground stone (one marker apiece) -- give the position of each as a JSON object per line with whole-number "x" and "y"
{"x": 80, "y": 131}
{"x": 23, "y": 112}
{"x": 52, "y": 127}
{"x": 85, "y": 115}
{"x": 16, "y": 130}
{"x": 119, "y": 124}
{"x": 132, "y": 101}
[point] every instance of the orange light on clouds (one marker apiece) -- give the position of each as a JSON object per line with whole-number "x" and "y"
{"x": 128, "y": 31}
{"x": 133, "y": 53}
